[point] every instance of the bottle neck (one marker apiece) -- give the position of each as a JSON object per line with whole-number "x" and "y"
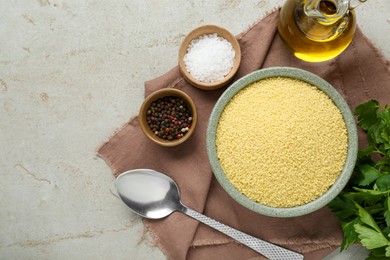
{"x": 327, "y": 12}
{"x": 322, "y": 27}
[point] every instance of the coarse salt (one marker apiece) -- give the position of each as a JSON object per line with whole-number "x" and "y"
{"x": 209, "y": 58}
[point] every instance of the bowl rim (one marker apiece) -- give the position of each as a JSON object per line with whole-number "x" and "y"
{"x": 196, "y": 33}
{"x": 163, "y": 93}
{"x": 337, "y": 99}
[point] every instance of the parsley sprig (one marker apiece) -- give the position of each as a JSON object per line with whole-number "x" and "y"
{"x": 363, "y": 207}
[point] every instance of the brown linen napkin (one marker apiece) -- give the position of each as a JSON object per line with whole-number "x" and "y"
{"x": 359, "y": 74}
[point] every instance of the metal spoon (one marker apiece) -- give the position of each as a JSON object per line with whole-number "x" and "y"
{"x": 154, "y": 195}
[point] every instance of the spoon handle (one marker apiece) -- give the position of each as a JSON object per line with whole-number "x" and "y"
{"x": 267, "y": 249}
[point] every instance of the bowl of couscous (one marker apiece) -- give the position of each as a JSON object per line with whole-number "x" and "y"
{"x": 282, "y": 142}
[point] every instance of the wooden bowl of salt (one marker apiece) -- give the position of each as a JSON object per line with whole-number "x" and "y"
{"x": 209, "y": 57}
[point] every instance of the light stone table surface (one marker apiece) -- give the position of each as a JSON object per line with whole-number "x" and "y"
{"x": 71, "y": 73}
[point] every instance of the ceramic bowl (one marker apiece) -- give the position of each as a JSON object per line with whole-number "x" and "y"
{"x": 337, "y": 100}
{"x": 196, "y": 33}
{"x": 160, "y": 94}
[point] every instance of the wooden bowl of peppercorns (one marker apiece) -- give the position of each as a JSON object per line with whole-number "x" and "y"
{"x": 168, "y": 117}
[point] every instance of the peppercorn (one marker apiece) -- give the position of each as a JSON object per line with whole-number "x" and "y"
{"x": 169, "y": 118}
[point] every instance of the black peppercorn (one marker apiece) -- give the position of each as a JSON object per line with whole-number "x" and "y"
{"x": 169, "y": 118}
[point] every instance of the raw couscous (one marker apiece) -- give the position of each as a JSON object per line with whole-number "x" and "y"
{"x": 281, "y": 142}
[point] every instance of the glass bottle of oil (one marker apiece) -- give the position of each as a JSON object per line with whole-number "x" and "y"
{"x": 317, "y": 30}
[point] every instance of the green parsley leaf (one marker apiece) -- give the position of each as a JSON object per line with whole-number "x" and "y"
{"x": 386, "y": 115}
{"x": 350, "y": 235}
{"x": 386, "y": 213}
{"x": 383, "y": 182}
{"x": 368, "y": 174}
{"x": 377, "y": 208}
{"x": 366, "y": 151}
{"x": 378, "y": 254}
{"x": 379, "y": 133}
{"x": 370, "y": 238}
{"x": 366, "y": 114}
{"x": 388, "y": 251}
{"x": 343, "y": 208}
{"x": 366, "y": 196}
{"x": 372, "y": 192}
{"x": 366, "y": 218}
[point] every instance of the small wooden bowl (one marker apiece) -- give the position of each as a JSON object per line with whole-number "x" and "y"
{"x": 160, "y": 94}
{"x": 196, "y": 33}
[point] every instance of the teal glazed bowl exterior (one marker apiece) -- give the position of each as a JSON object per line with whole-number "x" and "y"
{"x": 337, "y": 99}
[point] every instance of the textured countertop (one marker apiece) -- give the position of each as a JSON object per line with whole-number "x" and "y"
{"x": 71, "y": 72}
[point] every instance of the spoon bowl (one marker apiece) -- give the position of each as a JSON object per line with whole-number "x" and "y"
{"x": 148, "y": 193}
{"x": 154, "y": 195}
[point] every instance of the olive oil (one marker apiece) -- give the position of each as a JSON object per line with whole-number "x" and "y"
{"x": 312, "y": 39}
